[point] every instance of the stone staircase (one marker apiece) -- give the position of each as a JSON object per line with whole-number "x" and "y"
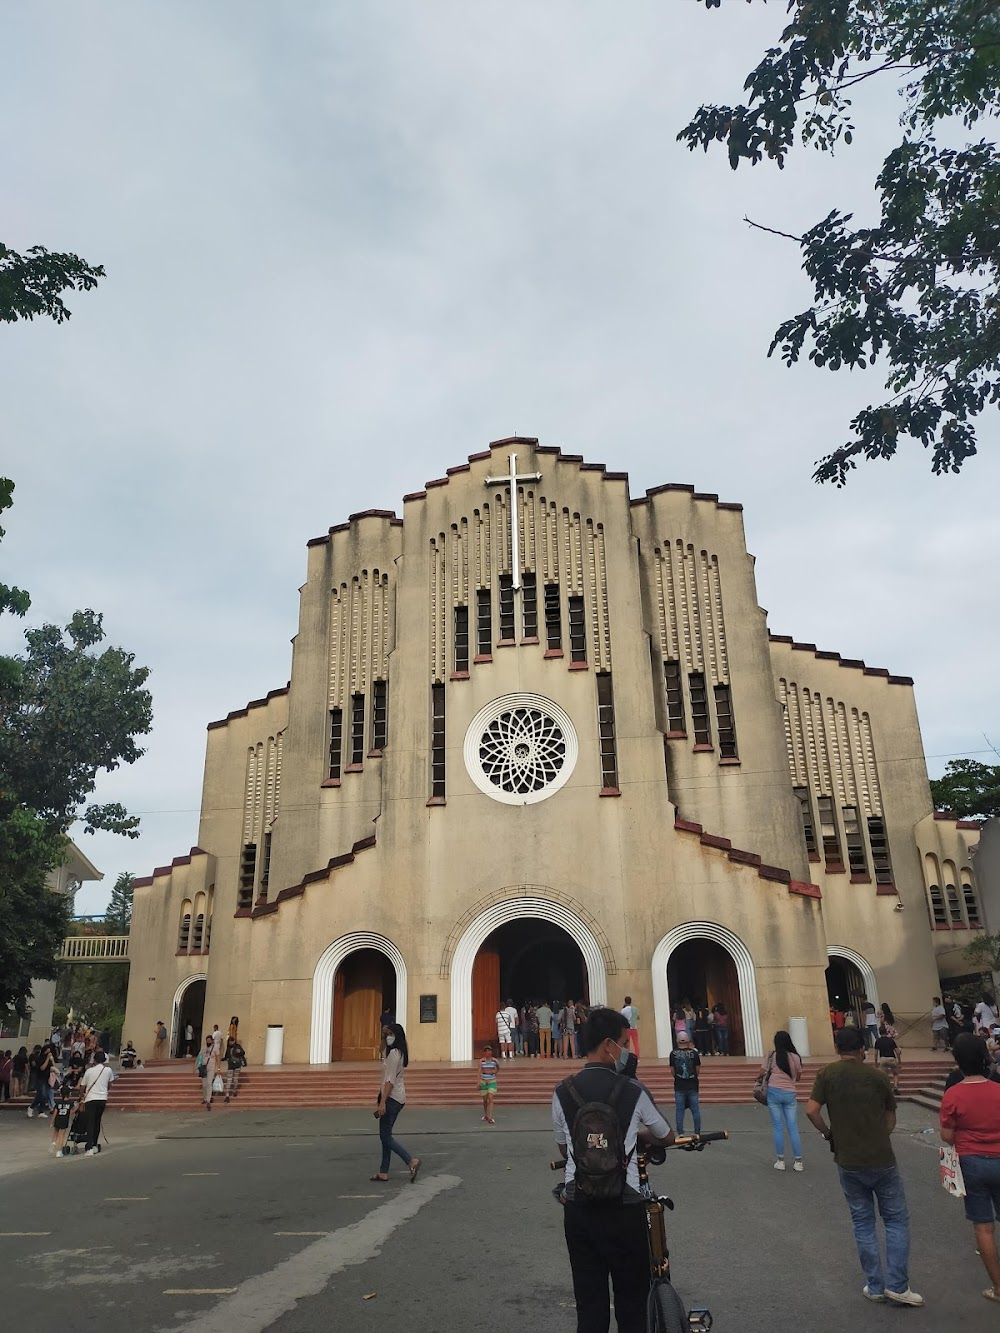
{"x": 172, "y": 1085}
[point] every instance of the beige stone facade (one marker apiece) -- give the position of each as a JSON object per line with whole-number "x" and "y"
{"x": 552, "y": 751}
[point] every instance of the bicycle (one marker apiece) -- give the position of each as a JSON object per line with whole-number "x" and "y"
{"x": 665, "y": 1311}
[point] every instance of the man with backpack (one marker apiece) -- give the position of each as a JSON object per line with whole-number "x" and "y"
{"x": 599, "y": 1117}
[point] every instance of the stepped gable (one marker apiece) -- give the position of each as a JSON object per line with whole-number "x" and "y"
{"x": 548, "y": 450}
{"x": 297, "y": 890}
{"x": 161, "y": 871}
{"x": 388, "y": 514}
{"x": 254, "y": 703}
{"x": 853, "y": 662}
{"x": 709, "y": 496}
{"x": 773, "y": 873}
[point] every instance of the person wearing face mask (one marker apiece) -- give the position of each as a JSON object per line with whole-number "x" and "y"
{"x": 392, "y": 1099}
{"x": 600, "y": 1116}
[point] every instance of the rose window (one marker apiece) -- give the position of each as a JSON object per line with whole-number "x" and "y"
{"x": 520, "y": 749}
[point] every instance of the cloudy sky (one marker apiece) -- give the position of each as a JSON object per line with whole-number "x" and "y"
{"x": 348, "y": 244}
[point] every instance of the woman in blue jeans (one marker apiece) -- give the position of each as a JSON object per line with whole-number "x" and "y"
{"x": 970, "y": 1122}
{"x": 392, "y": 1099}
{"x": 782, "y": 1103}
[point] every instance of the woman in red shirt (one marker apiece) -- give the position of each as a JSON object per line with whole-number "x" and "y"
{"x": 970, "y": 1120}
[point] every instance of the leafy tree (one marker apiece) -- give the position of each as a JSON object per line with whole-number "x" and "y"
{"x": 968, "y": 789}
{"x": 118, "y": 917}
{"x": 30, "y": 284}
{"x": 920, "y": 291}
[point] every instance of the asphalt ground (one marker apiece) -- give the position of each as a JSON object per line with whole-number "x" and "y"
{"x": 246, "y": 1221}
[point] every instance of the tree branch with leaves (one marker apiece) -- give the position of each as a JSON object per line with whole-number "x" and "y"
{"x": 918, "y": 293}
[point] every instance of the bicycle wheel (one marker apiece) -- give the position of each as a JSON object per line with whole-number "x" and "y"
{"x": 665, "y": 1312}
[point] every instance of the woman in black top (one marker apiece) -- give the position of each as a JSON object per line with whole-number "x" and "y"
{"x": 19, "y": 1072}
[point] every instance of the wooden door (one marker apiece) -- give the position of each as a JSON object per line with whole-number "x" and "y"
{"x": 485, "y": 998}
{"x": 723, "y": 985}
{"x": 357, "y": 997}
{"x": 338, "y": 1015}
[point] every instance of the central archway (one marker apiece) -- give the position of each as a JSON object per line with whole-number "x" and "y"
{"x": 189, "y": 1007}
{"x": 853, "y": 981}
{"x": 745, "y": 974}
{"x": 474, "y": 936}
{"x": 321, "y": 1028}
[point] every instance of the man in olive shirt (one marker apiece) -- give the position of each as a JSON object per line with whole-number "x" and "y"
{"x": 862, "y": 1113}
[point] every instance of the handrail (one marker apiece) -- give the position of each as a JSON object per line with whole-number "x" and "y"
{"x": 94, "y": 949}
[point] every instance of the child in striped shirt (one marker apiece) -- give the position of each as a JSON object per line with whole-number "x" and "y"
{"x": 488, "y": 1067}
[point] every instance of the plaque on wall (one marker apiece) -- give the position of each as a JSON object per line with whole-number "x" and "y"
{"x": 428, "y": 1008}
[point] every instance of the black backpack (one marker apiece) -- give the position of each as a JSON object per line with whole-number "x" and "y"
{"x": 598, "y": 1141}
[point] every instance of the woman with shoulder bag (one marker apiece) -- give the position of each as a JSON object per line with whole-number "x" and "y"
{"x": 208, "y": 1067}
{"x": 392, "y": 1099}
{"x": 782, "y": 1103}
{"x": 970, "y": 1123}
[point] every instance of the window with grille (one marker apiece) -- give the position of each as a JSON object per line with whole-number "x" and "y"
{"x": 437, "y": 742}
{"x": 879, "y": 843}
{"x": 248, "y": 875}
{"x": 971, "y": 905}
{"x": 606, "y": 731}
{"x": 808, "y": 827}
{"x": 357, "y": 729}
{"x": 577, "y": 630}
{"x": 198, "y": 938}
{"x": 506, "y": 608}
{"x": 725, "y": 722}
{"x": 699, "y": 709}
{"x": 461, "y": 638}
{"x": 857, "y": 858}
{"x": 184, "y": 934}
{"x": 828, "y": 831}
{"x": 380, "y": 715}
{"x": 675, "y": 696}
{"x": 939, "y": 916}
{"x": 954, "y": 904}
{"x": 553, "y": 618}
{"x": 529, "y": 606}
{"x": 484, "y": 624}
{"x": 336, "y": 742}
{"x": 265, "y": 870}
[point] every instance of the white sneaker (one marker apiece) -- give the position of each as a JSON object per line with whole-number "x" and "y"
{"x": 30, "y": 1113}
{"x": 797, "y": 1164}
{"x": 872, "y": 1295}
{"x": 779, "y": 1164}
{"x": 906, "y": 1297}
{"x": 92, "y": 1152}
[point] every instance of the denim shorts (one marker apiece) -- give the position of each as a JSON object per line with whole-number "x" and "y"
{"x": 982, "y": 1188}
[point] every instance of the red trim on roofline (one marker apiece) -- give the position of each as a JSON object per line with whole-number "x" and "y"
{"x": 297, "y": 890}
{"x": 773, "y": 873}
{"x": 254, "y": 703}
{"x": 824, "y": 656}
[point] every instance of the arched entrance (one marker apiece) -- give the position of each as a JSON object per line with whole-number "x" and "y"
{"x": 189, "y": 1007}
{"x": 850, "y": 980}
{"x": 704, "y": 973}
{"x": 523, "y": 954}
{"x": 527, "y": 959}
{"x": 364, "y": 988}
{"x": 712, "y": 965}
{"x": 364, "y": 983}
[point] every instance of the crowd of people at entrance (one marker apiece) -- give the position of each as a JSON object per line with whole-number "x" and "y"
{"x": 222, "y": 1051}
{"x": 68, "y": 1079}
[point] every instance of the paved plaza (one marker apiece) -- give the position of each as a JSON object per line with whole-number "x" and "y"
{"x": 267, "y": 1220}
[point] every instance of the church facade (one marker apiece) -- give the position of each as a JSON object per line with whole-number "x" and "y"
{"x": 538, "y": 742}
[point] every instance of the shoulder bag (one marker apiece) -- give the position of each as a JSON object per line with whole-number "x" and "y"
{"x": 761, "y": 1082}
{"x": 951, "y": 1171}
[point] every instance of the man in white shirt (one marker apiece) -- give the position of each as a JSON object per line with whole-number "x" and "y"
{"x": 985, "y": 1013}
{"x": 218, "y": 1043}
{"x": 95, "y": 1083}
{"x": 188, "y": 1039}
{"x": 506, "y": 1023}
{"x": 631, "y": 1016}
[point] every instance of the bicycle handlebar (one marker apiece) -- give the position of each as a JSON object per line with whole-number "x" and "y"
{"x": 686, "y": 1142}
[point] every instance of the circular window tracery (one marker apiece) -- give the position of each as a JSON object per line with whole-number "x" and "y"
{"x": 521, "y": 748}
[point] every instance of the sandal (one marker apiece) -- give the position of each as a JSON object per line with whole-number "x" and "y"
{"x": 414, "y": 1168}
{"x": 382, "y": 1180}
{"x": 991, "y": 1295}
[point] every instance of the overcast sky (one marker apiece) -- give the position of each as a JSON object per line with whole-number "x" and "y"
{"x": 348, "y": 244}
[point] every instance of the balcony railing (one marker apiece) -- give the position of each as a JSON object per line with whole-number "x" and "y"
{"x": 94, "y": 949}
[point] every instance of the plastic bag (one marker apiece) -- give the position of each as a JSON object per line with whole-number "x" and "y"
{"x": 951, "y": 1171}
{"x": 217, "y": 1083}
